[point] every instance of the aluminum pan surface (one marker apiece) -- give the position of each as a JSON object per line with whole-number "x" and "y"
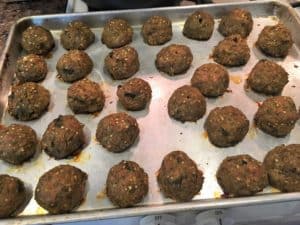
{"x": 159, "y": 134}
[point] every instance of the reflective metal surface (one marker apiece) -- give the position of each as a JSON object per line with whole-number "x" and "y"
{"x": 159, "y": 134}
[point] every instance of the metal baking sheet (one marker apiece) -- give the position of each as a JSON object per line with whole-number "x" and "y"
{"x": 159, "y": 134}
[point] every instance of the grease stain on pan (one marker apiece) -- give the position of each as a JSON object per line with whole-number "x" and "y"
{"x": 82, "y": 157}
{"x": 101, "y": 194}
{"x": 217, "y": 194}
{"x": 236, "y": 79}
{"x": 204, "y": 134}
{"x": 252, "y": 132}
{"x": 41, "y": 211}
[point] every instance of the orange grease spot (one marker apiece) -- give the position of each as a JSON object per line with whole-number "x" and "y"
{"x": 236, "y": 79}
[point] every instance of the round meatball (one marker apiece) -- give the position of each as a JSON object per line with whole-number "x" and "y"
{"x": 117, "y": 33}
{"x": 199, "y": 26}
{"x": 267, "y": 77}
{"x": 232, "y": 51}
{"x": 126, "y": 184}
{"x": 157, "y": 30}
{"x": 61, "y": 189}
{"x": 178, "y": 177}
{"x": 275, "y": 41}
{"x": 31, "y": 68}
{"x": 117, "y": 132}
{"x": 85, "y": 96}
{"x": 18, "y": 143}
{"x": 174, "y": 59}
{"x": 282, "y": 164}
{"x": 37, "y": 40}
{"x": 12, "y": 195}
{"x": 236, "y": 21}
{"x": 135, "y": 94}
{"x": 28, "y": 101}
{"x": 241, "y": 175}
{"x": 186, "y": 104}
{"x": 277, "y": 116}
{"x": 74, "y": 65}
{"x": 122, "y": 63}
{"x": 77, "y": 35}
{"x": 64, "y": 137}
{"x": 211, "y": 79}
{"x": 226, "y": 126}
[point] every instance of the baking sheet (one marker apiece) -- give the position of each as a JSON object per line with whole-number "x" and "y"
{"x": 159, "y": 134}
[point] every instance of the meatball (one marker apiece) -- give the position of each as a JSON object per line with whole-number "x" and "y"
{"x": 61, "y": 189}
{"x": 267, "y": 77}
{"x": 275, "y": 41}
{"x": 64, "y": 137}
{"x": 117, "y": 33}
{"x": 117, "y": 132}
{"x": 277, "y": 116}
{"x": 122, "y": 63}
{"x": 28, "y": 101}
{"x": 18, "y": 143}
{"x": 186, "y": 104}
{"x": 178, "y": 177}
{"x": 135, "y": 94}
{"x": 237, "y": 21}
{"x": 232, "y": 51}
{"x": 77, "y": 35}
{"x": 226, "y": 126}
{"x": 211, "y": 79}
{"x": 282, "y": 164}
{"x": 12, "y": 195}
{"x": 37, "y": 40}
{"x": 199, "y": 26}
{"x": 174, "y": 59}
{"x": 126, "y": 184}
{"x": 74, "y": 66}
{"x": 241, "y": 175}
{"x": 31, "y": 68}
{"x": 157, "y": 30}
{"x": 85, "y": 96}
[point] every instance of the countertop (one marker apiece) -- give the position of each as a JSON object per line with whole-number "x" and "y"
{"x": 11, "y": 12}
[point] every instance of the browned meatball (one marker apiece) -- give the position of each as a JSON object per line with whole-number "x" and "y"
{"x": 174, "y": 59}
{"x": 122, "y": 63}
{"x": 232, "y": 51}
{"x": 77, "y": 35}
{"x": 117, "y": 132}
{"x": 37, "y": 40}
{"x": 186, "y": 104}
{"x": 211, "y": 79}
{"x": 283, "y": 166}
{"x": 85, "y": 96}
{"x": 178, "y": 177}
{"x": 277, "y": 116}
{"x": 64, "y": 137}
{"x": 61, "y": 189}
{"x": 31, "y": 68}
{"x": 74, "y": 65}
{"x": 241, "y": 175}
{"x": 126, "y": 184}
{"x": 275, "y": 41}
{"x": 135, "y": 94}
{"x": 226, "y": 126}
{"x": 157, "y": 30}
{"x": 12, "y": 195}
{"x": 267, "y": 77}
{"x": 117, "y": 33}
{"x": 236, "y": 21}
{"x": 28, "y": 101}
{"x": 17, "y": 143}
{"x": 199, "y": 26}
